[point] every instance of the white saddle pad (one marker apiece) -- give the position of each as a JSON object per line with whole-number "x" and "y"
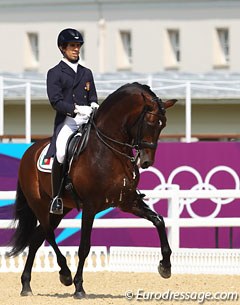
{"x": 44, "y": 165}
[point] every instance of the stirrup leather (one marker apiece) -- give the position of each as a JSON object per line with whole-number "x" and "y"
{"x": 56, "y": 206}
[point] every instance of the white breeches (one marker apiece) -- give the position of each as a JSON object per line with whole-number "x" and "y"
{"x": 68, "y": 128}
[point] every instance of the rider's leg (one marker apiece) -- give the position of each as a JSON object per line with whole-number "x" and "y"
{"x": 56, "y": 179}
{"x": 57, "y": 170}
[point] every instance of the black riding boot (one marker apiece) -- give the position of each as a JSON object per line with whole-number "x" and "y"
{"x": 57, "y": 173}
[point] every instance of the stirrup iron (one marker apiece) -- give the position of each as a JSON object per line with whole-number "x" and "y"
{"x": 56, "y": 206}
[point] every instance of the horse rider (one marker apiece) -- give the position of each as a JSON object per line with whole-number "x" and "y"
{"x": 72, "y": 93}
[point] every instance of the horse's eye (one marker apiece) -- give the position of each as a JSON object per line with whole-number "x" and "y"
{"x": 160, "y": 123}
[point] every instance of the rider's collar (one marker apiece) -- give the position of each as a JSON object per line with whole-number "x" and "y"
{"x": 71, "y": 64}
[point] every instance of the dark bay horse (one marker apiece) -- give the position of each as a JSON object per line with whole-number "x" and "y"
{"x": 123, "y": 136}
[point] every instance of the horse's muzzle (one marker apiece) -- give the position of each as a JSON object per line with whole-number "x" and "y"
{"x": 146, "y": 159}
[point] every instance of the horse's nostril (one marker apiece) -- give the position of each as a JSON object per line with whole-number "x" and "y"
{"x": 145, "y": 164}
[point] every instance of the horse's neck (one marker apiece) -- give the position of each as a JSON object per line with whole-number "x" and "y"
{"x": 113, "y": 123}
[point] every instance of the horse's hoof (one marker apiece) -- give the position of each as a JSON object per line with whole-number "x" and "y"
{"x": 66, "y": 280}
{"x": 79, "y": 295}
{"x": 26, "y": 293}
{"x": 165, "y": 272}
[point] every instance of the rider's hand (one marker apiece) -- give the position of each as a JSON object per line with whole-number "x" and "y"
{"x": 81, "y": 119}
{"x": 94, "y": 105}
{"x": 83, "y": 110}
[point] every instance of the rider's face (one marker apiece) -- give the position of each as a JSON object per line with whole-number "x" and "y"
{"x": 71, "y": 52}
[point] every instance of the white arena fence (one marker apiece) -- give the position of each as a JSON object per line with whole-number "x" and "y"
{"x": 140, "y": 259}
{"x": 129, "y": 259}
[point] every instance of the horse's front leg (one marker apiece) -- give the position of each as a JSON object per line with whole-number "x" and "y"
{"x": 83, "y": 251}
{"x": 141, "y": 209}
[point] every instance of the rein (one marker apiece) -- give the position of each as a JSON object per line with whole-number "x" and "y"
{"x": 102, "y": 136}
{"x": 138, "y": 144}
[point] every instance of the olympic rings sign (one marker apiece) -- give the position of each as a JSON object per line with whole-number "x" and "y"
{"x": 202, "y": 184}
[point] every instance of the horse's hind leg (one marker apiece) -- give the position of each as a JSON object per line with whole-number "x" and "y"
{"x": 65, "y": 273}
{"x": 84, "y": 248}
{"x": 38, "y": 237}
{"x": 36, "y": 241}
{"x": 141, "y": 209}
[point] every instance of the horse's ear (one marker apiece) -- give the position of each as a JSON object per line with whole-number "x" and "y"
{"x": 169, "y": 103}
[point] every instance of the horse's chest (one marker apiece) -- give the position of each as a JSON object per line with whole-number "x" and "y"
{"x": 120, "y": 191}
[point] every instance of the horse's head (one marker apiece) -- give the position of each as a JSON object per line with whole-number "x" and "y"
{"x": 132, "y": 117}
{"x": 147, "y": 127}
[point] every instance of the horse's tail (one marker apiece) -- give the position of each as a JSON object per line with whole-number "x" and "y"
{"x": 25, "y": 221}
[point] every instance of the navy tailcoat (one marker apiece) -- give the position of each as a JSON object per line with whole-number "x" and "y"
{"x": 65, "y": 88}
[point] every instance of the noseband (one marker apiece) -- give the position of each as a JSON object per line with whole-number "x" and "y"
{"x": 138, "y": 144}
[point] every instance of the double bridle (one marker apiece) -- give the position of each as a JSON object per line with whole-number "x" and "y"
{"x": 138, "y": 144}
